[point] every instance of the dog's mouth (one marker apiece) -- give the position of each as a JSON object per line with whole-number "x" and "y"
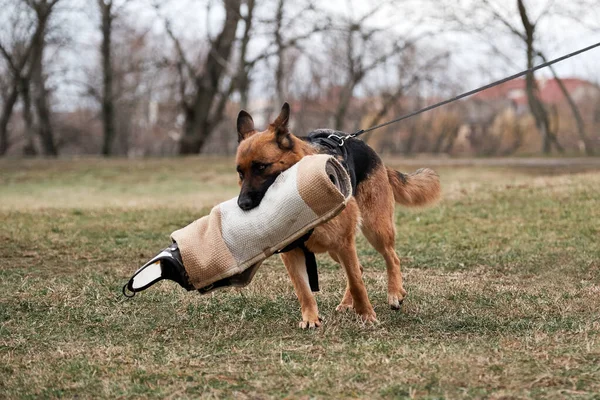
{"x": 248, "y": 201}
{"x": 250, "y": 197}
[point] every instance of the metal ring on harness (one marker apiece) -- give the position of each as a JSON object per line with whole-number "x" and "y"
{"x": 339, "y": 138}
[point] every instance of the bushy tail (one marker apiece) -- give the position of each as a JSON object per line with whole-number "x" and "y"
{"x": 421, "y": 188}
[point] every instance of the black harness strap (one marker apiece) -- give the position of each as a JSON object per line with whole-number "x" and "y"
{"x": 311, "y": 268}
{"x": 310, "y": 259}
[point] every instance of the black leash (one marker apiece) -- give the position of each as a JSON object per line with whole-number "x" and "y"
{"x": 342, "y": 139}
{"x": 333, "y": 139}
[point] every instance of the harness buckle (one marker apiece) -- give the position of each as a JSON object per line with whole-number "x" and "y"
{"x": 340, "y": 139}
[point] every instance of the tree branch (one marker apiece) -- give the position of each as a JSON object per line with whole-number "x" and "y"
{"x": 504, "y": 21}
{"x": 181, "y": 54}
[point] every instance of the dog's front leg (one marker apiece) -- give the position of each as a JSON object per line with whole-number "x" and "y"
{"x": 296, "y": 266}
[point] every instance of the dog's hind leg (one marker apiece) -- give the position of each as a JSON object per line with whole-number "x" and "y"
{"x": 346, "y": 303}
{"x": 295, "y": 264}
{"x": 382, "y": 238}
{"x": 384, "y": 245}
{"x": 376, "y": 202}
{"x": 356, "y": 292}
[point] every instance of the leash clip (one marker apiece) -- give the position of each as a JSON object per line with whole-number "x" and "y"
{"x": 338, "y": 138}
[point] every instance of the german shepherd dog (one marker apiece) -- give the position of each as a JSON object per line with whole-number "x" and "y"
{"x": 262, "y": 156}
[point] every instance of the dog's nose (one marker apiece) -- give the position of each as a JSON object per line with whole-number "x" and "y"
{"x": 245, "y": 203}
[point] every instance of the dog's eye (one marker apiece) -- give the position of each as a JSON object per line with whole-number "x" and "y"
{"x": 241, "y": 175}
{"x": 260, "y": 167}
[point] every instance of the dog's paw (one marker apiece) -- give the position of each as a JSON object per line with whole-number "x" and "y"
{"x": 366, "y": 313}
{"x": 342, "y": 307}
{"x": 395, "y": 299}
{"x": 310, "y": 324}
{"x": 369, "y": 317}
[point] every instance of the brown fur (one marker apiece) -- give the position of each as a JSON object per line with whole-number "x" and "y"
{"x": 276, "y": 149}
{"x": 421, "y": 188}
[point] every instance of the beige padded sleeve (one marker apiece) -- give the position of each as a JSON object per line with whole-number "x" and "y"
{"x": 230, "y": 240}
{"x": 323, "y": 184}
{"x": 205, "y": 256}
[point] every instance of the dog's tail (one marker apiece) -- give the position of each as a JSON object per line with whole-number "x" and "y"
{"x": 421, "y": 188}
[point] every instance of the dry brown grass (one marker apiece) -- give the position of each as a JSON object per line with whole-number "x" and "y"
{"x": 503, "y": 279}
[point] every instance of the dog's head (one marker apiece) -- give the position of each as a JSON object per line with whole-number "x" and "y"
{"x": 262, "y": 156}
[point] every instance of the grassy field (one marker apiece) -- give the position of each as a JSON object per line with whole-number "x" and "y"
{"x": 503, "y": 279}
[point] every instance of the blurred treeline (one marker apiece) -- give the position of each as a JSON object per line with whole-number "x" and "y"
{"x": 144, "y": 77}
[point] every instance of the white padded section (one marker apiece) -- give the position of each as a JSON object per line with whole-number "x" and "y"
{"x": 280, "y": 214}
{"x": 148, "y": 274}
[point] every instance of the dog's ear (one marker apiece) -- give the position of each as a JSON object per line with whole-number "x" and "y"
{"x": 280, "y": 126}
{"x": 245, "y": 125}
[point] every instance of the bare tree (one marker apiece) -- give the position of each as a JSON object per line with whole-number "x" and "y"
{"x": 280, "y": 52}
{"x": 43, "y": 10}
{"x": 524, "y": 31}
{"x": 284, "y": 35}
{"x": 107, "y": 98}
{"x": 343, "y": 67}
{"x": 202, "y": 94}
{"x": 25, "y": 62}
{"x": 10, "y": 94}
{"x": 242, "y": 79}
{"x": 587, "y": 143}
{"x": 16, "y": 56}
{"x": 535, "y": 104}
{"x": 362, "y": 47}
{"x": 25, "y": 90}
{"x": 410, "y": 73}
{"x": 109, "y": 12}
{"x": 287, "y": 35}
{"x": 130, "y": 68}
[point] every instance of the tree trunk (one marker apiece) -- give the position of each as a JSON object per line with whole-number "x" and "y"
{"x": 108, "y": 113}
{"x": 200, "y": 116}
{"x": 9, "y": 104}
{"x": 29, "y": 148}
{"x": 243, "y": 78}
{"x": 279, "y": 71}
{"x": 343, "y": 103}
{"x": 191, "y": 140}
{"x": 40, "y": 93}
{"x": 354, "y": 76}
{"x": 535, "y": 105}
{"x": 587, "y": 144}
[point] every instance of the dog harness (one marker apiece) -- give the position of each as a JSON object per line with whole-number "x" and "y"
{"x": 226, "y": 247}
{"x": 357, "y": 158}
